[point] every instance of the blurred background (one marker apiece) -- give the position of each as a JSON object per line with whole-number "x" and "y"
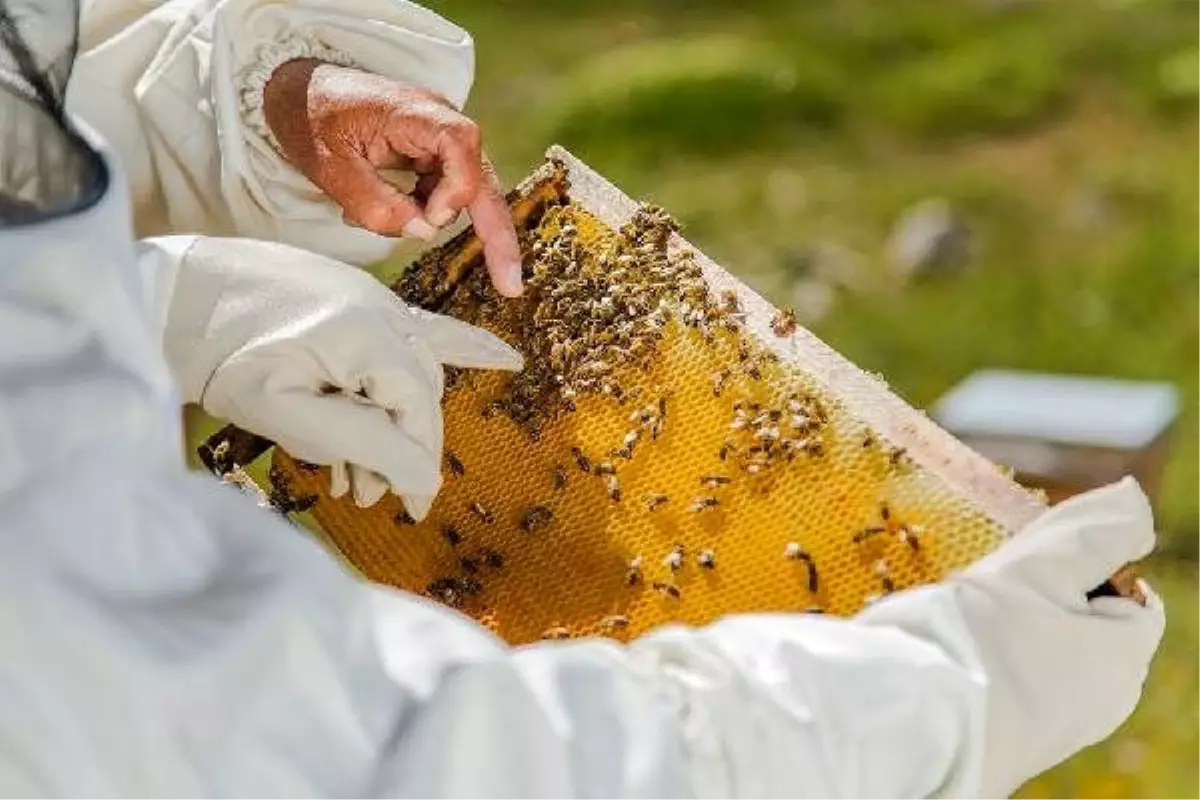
{"x": 936, "y": 186}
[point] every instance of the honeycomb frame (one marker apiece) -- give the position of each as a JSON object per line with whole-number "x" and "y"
{"x": 560, "y": 597}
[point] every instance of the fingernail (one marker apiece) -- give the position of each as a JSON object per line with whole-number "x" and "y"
{"x": 441, "y": 217}
{"x": 510, "y": 282}
{"x": 418, "y": 228}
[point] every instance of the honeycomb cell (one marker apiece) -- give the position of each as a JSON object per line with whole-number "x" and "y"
{"x": 655, "y": 462}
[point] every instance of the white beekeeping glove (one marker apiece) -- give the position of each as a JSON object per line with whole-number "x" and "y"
{"x": 320, "y": 358}
{"x": 1062, "y": 672}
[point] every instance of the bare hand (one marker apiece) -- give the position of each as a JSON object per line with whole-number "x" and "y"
{"x": 341, "y": 126}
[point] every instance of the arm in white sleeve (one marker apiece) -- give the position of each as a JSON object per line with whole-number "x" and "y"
{"x": 965, "y": 688}
{"x": 764, "y": 706}
{"x": 198, "y": 648}
{"x": 176, "y": 88}
{"x": 158, "y": 261}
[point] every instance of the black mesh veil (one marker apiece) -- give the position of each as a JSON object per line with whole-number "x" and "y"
{"x": 46, "y": 168}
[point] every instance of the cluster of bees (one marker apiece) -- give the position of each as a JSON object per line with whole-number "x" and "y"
{"x": 587, "y": 316}
{"x": 761, "y": 436}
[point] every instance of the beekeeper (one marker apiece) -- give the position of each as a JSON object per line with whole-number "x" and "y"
{"x": 161, "y": 635}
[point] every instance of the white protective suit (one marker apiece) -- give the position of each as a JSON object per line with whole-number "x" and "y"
{"x": 160, "y": 635}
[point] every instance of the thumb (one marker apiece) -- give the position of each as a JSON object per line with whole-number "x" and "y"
{"x": 369, "y": 201}
{"x": 1091, "y": 536}
{"x": 460, "y": 344}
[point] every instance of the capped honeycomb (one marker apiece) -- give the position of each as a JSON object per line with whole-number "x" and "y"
{"x": 675, "y": 449}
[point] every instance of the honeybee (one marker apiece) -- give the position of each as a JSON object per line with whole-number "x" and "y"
{"x": 614, "y": 488}
{"x": 581, "y": 460}
{"x": 455, "y": 464}
{"x": 627, "y": 444}
{"x": 445, "y": 590}
{"x": 560, "y": 477}
{"x": 867, "y": 532}
{"x": 557, "y": 632}
{"x": 783, "y": 323}
{"x": 633, "y": 572}
{"x": 668, "y": 590}
{"x": 485, "y": 516}
{"x": 885, "y": 576}
{"x": 656, "y": 501}
{"x": 615, "y": 622}
{"x": 491, "y": 409}
{"x": 674, "y": 559}
{"x": 718, "y": 381}
{"x": 713, "y": 481}
{"x": 706, "y": 559}
{"x": 911, "y": 536}
{"x": 536, "y": 517}
{"x": 794, "y": 552}
{"x": 452, "y": 535}
{"x": 704, "y": 504}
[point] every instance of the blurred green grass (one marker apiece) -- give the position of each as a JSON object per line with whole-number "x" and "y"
{"x": 1065, "y": 133}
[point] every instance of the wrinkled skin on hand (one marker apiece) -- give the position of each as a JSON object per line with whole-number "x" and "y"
{"x": 341, "y": 127}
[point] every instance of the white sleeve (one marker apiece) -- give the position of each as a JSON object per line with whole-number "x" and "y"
{"x": 175, "y": 86}
{"x": 158, "y": 262}
{"x": 234, "y": 658}
{"x": 762, "y": 706}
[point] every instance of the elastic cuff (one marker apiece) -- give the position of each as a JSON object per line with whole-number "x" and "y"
{"x": 267, "y": 57}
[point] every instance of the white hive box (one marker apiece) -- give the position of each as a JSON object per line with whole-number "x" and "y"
{"x": 1064, "y": 434}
